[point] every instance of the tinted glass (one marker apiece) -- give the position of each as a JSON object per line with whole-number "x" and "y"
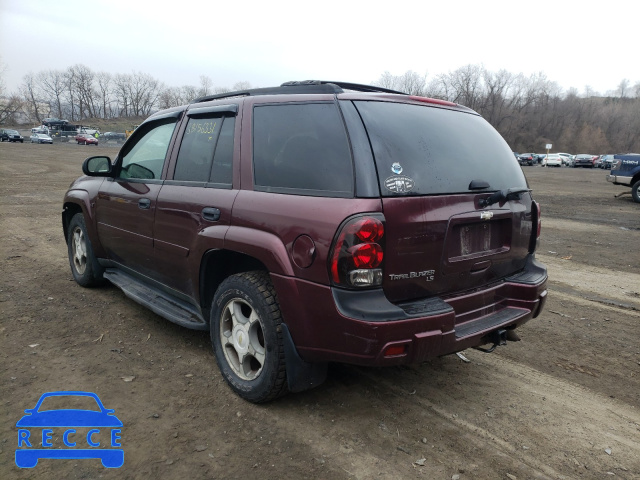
{"x": 146, "y": 157}
{"x": 422, "y": 150}
{"x": 301, "y": 149}
{"x": 196, "y": 150}
{"x": 223, "y": 158}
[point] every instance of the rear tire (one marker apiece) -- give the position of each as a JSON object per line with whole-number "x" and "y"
{"x": 85, "y": 268}
{"x": 246, "y": 334}
{"x": 635, "y": 192}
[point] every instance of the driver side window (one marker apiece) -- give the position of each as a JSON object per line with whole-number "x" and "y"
{"x": 146, "y": 158}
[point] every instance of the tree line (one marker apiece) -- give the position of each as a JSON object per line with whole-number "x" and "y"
{"x": 529, "y": 111}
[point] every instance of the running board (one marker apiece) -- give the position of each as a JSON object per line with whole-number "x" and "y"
{"x": 490, "y": 322}
{"x": 159, "y": 302}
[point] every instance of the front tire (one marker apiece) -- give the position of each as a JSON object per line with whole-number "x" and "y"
{"x": 635, "y": 192}
{"x": 246, "y": 334}
{"x": 85, "y": 268}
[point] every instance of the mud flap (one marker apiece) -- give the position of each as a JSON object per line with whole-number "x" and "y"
{"x": 301, "y": 375}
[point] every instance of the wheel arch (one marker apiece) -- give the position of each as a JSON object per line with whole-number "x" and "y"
{"x": 69, "y": 209}
{"x": 219, "y": 264}
{"x": 77, "y": 201}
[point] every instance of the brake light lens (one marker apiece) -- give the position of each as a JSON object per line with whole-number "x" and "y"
{"x": 435, "y": 101}
{"x": 539, "y": 227}
{"x": 535, "y": 239}
{"x": 366, "y": 255}
{"x": 357, "y": 252}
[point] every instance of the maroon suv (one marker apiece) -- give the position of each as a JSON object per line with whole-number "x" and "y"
{"x": 314, "y": 222}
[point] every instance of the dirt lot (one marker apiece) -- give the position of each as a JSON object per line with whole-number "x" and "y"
{"x": 562, "y": 403}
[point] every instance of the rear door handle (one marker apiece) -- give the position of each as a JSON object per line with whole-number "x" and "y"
{"x": 144, "y": 203}
{"x": 211, "y": 214}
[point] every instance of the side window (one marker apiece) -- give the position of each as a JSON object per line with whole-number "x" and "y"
{"x": 301, "y": 149}
{"x": 223, "y": 159}
{"x": 206, "y": 151}
{"x": 145, "y": 159}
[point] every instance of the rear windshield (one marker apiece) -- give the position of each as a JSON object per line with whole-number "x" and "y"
{"x": 422, "y": 150}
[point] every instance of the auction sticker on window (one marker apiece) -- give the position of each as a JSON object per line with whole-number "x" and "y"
{"x": 399, "y": 184}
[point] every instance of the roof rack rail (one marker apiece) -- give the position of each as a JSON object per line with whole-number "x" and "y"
{"x": 301, "y": 87}
{"x": 357, "y": 87}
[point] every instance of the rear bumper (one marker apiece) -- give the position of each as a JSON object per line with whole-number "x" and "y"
{"x": 619, "y": 179}
{"x": 328, "y": 324}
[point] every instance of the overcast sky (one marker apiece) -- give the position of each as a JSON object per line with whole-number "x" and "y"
{"x": 269, "y": 42}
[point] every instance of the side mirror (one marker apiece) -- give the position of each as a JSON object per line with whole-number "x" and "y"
{"x": 97, "y": 166}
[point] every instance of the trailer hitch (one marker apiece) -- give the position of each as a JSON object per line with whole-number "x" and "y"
{"x": 497, "y": 337}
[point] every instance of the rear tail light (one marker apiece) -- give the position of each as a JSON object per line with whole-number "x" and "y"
{"x": 357, "y": 252}
{"x": 537, "y": 225}
{"x": 539, "y": 221}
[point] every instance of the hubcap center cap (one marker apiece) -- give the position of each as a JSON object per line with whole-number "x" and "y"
{"x": 240, "y": 338}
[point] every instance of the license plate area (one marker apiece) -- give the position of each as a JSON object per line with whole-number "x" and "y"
{"x": 475, "y": 238}
{"x": 480, "y": 239}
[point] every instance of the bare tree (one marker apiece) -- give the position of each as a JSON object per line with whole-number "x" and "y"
{"x": 410, "y": 82}
{"x": 53, "y": 86}
{"x": 386, "y": 80}
{"x": 121, "y": 93}
{"x": 170, "y": 97}
{"x": 206, "y": 86}
{"x": 623, "y": 88}
{"x": 31, "y": 94}
{"x": 144, "y": 92}
{"x": 82, "y": 79}
{"x": 238, "y": 86}
{"x": 104, "y": 83}
{"x": 189, "y": 93}
{"x": 10, "y": 107}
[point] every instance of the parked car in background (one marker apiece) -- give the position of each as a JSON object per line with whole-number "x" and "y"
{"x": 584, "y": 160}
{"x": 314, "y": 222}
{"x": 85, "y": 139}
{"x": 41, "y": 138}
{"x": 539, "y": 157}
{"x": 552, "y": 160}
{"x": 597, "y": 163}
{"x": 525, "y": 159}
{"x": 567, "y": 158}
{"x": 8, "y": 135}
{"x": 625, "y": 170}
{"x": 113, "y": 136}
{"x": 606, "y": 161}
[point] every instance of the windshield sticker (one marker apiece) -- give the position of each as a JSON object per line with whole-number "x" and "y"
{"x": 396, "y": 168}
{"x": 399, "y": 184}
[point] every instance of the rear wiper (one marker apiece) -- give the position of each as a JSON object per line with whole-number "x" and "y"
{"x": 502, "y": 196}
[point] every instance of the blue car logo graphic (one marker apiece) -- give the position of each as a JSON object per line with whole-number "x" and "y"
{"x": 41, "y": 431}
